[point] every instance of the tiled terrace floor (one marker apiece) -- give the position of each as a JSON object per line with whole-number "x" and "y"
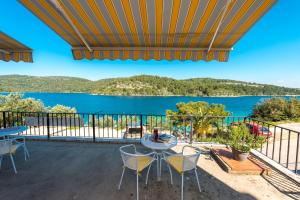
{"x": 88, "y": 171}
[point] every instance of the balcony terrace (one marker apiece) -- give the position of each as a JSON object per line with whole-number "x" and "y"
{"x": 83, "y": 170}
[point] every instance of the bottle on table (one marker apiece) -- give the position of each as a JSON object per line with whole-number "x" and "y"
{"x": 155, "y": 134}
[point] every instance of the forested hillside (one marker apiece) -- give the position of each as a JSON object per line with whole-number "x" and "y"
{"x": 141, "y": 85}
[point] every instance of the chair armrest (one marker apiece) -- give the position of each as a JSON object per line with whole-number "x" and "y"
{"x": 17, "y": 137}
{"x": 149, "y": 154}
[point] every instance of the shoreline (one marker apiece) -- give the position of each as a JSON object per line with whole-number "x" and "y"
{"x": 119, "y": 95}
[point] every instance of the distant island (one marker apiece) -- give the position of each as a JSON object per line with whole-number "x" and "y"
{"x": 143, "y": 85}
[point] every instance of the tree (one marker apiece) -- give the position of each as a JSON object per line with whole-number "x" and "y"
{"x": 202, "y": 115}
{"x": 277, "y": 109}
{"x": 16, "y": 103}
{"x": 62, "y": 109}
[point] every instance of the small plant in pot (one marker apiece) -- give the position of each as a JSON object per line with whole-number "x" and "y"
{"x": 242, "y": 141}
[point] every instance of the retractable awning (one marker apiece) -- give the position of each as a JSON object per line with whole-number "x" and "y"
{"x": 150, "y": 29}
{"x": 11, "y": 49}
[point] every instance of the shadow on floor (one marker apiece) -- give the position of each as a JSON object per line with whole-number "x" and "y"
{"x": 284, "y": 185}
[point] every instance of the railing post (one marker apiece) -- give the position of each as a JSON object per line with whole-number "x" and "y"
{"x": 4, "y": 119}
{"x": 191, "y": 133}
{"x": 93, "y": 124}
{"x": 48, "y": 126}
{"x": 141, "y": 124}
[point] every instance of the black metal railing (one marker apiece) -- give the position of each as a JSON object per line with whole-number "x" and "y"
{"x": 108, "y": 126}
{"x": 87, "y": 125}
{"x": 282, "y": 144}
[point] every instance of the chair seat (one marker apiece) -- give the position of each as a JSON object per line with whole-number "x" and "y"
{"x": 176, "y": 161}
{"x": 142, "y": 162}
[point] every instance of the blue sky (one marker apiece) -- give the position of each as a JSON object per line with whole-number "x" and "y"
{"x": 268, "y": 53}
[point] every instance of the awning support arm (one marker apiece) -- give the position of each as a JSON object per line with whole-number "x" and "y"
{"x": 58, "y": 5}
{"x": 219, "y": 24}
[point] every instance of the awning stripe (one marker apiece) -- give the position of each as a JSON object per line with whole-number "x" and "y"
{"x": 7, "y": 42}
{"x": 210, "y": 25}
{"x": 198, "y": 16}
{"x": 122, "y": 18}
{"x": 144, "y": 19}
{"x": 130, "y": 21}
{"x": 204, "y": 19}
{"x": 193, "y": 6}
{"x": 214, "y": 24}
{"x": 166, "y": 21}
{"x": 51, "y": 16}
{"x": 151, "y": 23}
{"x": 173, "y": 22}
{"x": 97, "y": 16}
{"x": 138, "y": 21}
{"x": 249, "y": 20}
{"x": 159, "y": 21}
{"x": 183, "y": 12}
{"x": 230, "y": 19}
{"x": 113, "y": 14}
{"x": 84, "y": 13}
{"x": 81, "y": 22}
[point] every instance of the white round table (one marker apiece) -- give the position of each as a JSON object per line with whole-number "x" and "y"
{"x": 158, "y": 148}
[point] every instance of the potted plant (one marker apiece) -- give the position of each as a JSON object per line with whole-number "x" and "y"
{"x": 242, "y": 141}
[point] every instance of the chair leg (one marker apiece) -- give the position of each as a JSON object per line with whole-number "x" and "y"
{"x": 26, "y": 152}
{"x": 182, "y": 178}
{"x": 119, "y": 187}
{"x": 13, "y": 163}
{"x": 160, "y": 168}
{"x": 170, "y": 174}
{"x": 1, "y": 161}
{"x": 148, "y": 173}
{"x": 25, "y": 155}
{"x": 157, "y": 160}
{"x": 137, "y": 186}
{"x": 197, "y": 180}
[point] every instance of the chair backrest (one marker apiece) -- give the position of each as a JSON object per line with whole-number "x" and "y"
{"x": 5, "y": 146}
{"x": 190, "y": 157}
{"x": 129, "y": 156}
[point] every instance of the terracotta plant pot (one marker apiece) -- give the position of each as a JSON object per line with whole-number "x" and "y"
{"x": 239, "y": 155}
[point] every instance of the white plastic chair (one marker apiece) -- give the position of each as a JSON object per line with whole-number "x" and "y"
{"x": 135, "y": 161}
{"x": 20, "y": 140}
{"x": 9, "y": 147}
{"x": 182, "y": 162}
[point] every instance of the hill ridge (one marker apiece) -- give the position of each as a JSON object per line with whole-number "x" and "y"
{"x": 141, "y": 85}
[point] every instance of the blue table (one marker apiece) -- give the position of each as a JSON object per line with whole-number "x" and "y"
{"x": 12, "y": 130}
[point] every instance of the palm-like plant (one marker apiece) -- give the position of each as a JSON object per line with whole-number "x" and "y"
{"x": 201, "y": 114}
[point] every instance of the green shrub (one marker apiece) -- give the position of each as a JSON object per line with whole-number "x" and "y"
{"x": 277, "y": 109}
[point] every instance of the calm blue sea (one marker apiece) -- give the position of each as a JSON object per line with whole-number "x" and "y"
{"x": 87, "y": 103}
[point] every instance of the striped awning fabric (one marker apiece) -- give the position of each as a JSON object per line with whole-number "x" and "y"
{"x": 10, "y": 49}
{"x": 150, "y": 29}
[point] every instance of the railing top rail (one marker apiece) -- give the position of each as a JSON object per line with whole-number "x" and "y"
{"x": 83, "y": 113}
{"x": 137, "y": 114}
